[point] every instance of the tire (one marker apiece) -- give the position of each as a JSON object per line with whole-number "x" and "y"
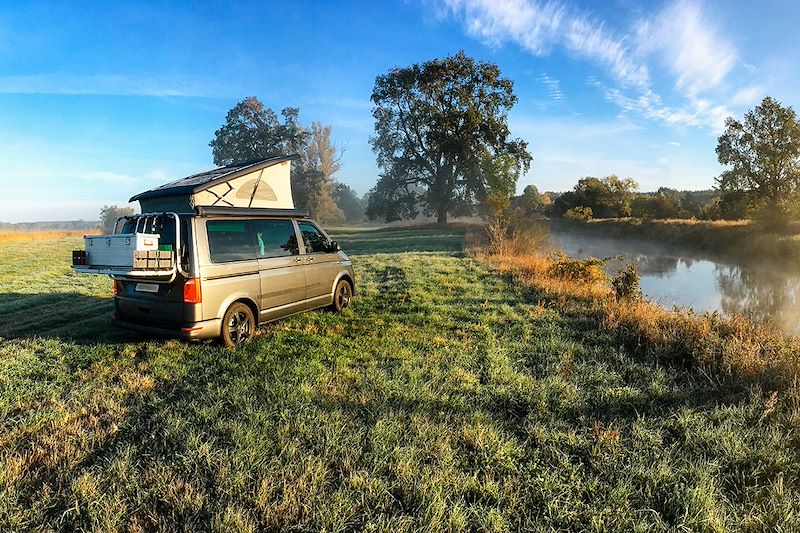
{"x": 238, "y": 325}
{"x": 342, "y": 296}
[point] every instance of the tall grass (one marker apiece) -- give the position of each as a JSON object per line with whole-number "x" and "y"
{"x": 43, "y": 235}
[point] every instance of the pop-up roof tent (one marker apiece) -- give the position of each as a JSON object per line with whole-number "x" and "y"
{"x": 260, "y": 184}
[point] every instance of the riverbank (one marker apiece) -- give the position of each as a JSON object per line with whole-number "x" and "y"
{"x": 734, "y": 347}
{"x": 736, "y": 238}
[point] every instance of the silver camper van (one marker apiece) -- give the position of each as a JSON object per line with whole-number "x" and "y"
{"x": 218, "y": 270}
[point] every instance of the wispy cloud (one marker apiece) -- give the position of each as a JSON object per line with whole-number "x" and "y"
{"x": 696, "y": 54}
{"x": 108, "y": 84}
{"x": 540, "y": 26}
{"x": 679, "y": 36}
{"x": 748, "y": 95}
{"x": 553, "y": 87}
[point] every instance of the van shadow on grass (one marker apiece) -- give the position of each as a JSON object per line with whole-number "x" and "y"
{"x": 69, "y": 316}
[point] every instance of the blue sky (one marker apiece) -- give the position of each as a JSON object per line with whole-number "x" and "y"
{"x": 101, "y": 100}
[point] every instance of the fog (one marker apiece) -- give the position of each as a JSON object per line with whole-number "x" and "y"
{"x": 767, "y": 291}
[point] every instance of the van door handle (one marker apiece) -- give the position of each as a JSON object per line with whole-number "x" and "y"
{"x": 311, "y": 258}
{"x": 297, "y": 260}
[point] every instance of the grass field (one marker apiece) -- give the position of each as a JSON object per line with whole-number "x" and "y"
{"x": 447, "y": 398}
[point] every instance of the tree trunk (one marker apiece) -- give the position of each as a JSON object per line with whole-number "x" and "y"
{"x": 441, "y": 216}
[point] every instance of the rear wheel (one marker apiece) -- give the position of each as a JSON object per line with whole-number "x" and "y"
{"x": 238, "y": 325}
{"x": 342, "y": 296}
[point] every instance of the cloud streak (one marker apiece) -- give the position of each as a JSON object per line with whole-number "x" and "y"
{"x": 539, "y": 26}
{"x": 697, "y": 56}
{"x": 553, "y": 88}
{"x": 679, "y": 36}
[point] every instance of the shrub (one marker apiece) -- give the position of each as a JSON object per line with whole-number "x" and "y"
{"x": 583, "y": 270}
{"x": 626, "y": 283}
{"x": 578, "y": 213}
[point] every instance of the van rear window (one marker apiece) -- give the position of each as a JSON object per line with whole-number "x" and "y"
{"x": 230, "y": 240}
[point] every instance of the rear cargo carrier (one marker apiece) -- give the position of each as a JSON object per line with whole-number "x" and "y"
{"x": 135, "y": 253}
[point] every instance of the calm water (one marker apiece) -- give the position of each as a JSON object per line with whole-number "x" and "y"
{"x": 766, "y": 291}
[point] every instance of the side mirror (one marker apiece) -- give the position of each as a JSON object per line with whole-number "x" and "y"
{"x": 334, "y": 247}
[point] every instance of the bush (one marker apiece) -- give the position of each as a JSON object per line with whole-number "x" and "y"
{"x": 578, "y": 213}
{"x": 626, "y": 284}
{"x": 583, "y": 270}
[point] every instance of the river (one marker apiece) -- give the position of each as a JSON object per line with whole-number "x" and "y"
{"x": 764, "y": 290}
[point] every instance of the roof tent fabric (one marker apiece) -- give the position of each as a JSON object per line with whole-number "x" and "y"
{"x": 261, "y": 184}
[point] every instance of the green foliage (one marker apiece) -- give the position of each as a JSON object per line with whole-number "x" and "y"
{"x": 531, "y": 203}
{"x": 735, "y": 204}
{"x": 763, "y": 153}
{"x": 442, "y": 138}
{"x": 626, "y": 283}
{"x": 607, "y": 197}
{"x": 353, "y": 207}
{"x": 109, "y": 215}
{"x": 578, "y": 213}
{"x": 252, "y": 132}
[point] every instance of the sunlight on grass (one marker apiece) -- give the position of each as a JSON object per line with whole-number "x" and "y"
{"x": 449, "y": 397}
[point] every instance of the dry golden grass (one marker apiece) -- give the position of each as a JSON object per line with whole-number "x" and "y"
{"x": 43, "y": 235}
{"x": 678, "y": 222}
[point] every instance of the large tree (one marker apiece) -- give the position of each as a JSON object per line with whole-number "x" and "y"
{"x": 436, "y": 125}
{"x": 763, "y": 153}
{"x": 314, "y": 182}
{"x": 252, "y": 131}
{"x": 348, "y": 201}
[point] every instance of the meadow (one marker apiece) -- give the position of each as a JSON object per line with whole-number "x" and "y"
{"x": 455, "y": 395}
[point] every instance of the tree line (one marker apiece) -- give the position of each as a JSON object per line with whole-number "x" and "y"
{"x": 761, "y": 181}
{"x": 444, "y": 148}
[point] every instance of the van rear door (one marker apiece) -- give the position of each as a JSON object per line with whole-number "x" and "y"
{"x": 143, "y": 301}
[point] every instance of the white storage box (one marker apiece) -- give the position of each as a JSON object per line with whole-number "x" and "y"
{"x": 117, "y": 250}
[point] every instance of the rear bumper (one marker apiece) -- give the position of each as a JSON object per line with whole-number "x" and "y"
{"x": 206, "y": 329}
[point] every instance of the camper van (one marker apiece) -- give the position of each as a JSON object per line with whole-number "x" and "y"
{"x": 215, "y": 254}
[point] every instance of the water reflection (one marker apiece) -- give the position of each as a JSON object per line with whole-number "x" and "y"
{"x": 765, "y": 291}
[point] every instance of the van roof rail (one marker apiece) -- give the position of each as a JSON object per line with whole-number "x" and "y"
{"x": 249, "y": 211}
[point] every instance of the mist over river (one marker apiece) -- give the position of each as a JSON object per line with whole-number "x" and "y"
{"x": 766, "y": 290}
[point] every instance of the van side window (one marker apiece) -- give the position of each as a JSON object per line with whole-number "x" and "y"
{"x": 230, "y": 240}
{"x": 313, "y": 239}
{"x": 275, "y": 238}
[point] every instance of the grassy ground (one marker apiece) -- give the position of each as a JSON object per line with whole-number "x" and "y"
{"x": 447, "y": 398}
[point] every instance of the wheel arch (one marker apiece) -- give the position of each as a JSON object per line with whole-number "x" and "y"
{"x": 249, "y": 303}
{"x": 239, "y": 298}
{"x": 346, "y": 276}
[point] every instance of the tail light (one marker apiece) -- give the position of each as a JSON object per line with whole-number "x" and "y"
{"x": 115, "y": 287}
{"x": 192, "y": 293}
